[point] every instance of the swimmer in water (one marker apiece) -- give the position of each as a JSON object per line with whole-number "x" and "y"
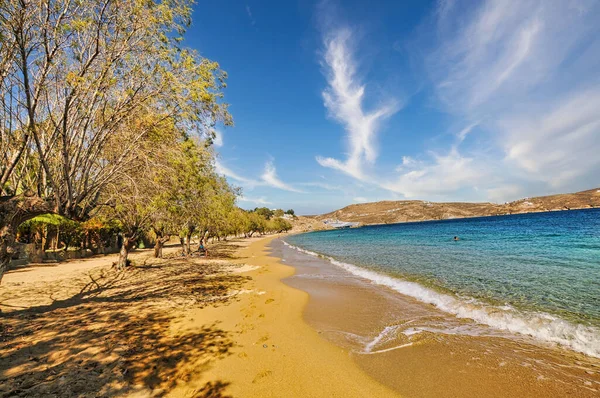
{"x": 456, "y": 238}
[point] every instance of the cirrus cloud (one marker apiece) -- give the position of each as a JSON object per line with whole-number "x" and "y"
{"x": 268, "y": 178}
{"x": 344, "y": 99}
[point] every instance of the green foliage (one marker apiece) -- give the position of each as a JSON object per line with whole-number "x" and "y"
{"x": 290, "y": 212}
{"x": 253, "y": 222}
{"x": 119, "y": 132}
{"x": 69, "y": 232}
{"x": 103, "y": 80}
{"x": 46, "y": 219}
{"x": 264, "y": 212}
{"x": 279, "y": 225}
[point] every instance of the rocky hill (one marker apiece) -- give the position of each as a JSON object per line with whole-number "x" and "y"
{"x": 387, "y": 212}
{"x": 306, "y": 224}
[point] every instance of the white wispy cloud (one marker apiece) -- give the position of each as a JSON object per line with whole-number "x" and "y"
{"x": 559, "y": 143}
{"x": 530, "y": 73}
{"x": 322, "y": 185}
{"x": 221, "y": 169}
{"x": 344, "y": 99}
{"x": 258, "y": 201}
{"x": 487, "y": 53}
{"x": 270, "y": 178}
{"x": 462, "y": 134}
{"x": 441, "y": 175}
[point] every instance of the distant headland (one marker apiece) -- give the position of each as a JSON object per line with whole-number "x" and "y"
{"x": 389, "y": 212}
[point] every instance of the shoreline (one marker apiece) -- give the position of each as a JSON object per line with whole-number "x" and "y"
{"x": 279, "y": 353}
{"x": 247, "y": 322}
{"x": 438, "y": 363}
{"x": 512, "y": 322}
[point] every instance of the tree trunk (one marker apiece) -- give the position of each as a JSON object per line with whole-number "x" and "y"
{"x": 128, "y": 243}
{"x": 182, "y": 242}
{"x": 44, "y": 237}
{"x": 50, "y": 232}
{"x": 101, "y": 245}
{"x": 158, "y": 246}
{"x": 15, "y": 210}
{"x": 57, "y": 238}
{"x": 7, "y": 247}
{"x": 188, "y": 242}
{"x": 158, "y": 249}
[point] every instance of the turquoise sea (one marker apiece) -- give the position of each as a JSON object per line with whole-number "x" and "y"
{"x": 535, "y": 274}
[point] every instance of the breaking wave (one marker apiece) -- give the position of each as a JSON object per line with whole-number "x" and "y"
{"x": 540, "y": 325}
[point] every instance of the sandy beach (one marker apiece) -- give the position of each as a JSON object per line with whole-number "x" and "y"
{"x": 238, "y": 324}
{"x": 319, "y": 198}
{"x": 363, "y": 318}
{"x": 226, "y": 326}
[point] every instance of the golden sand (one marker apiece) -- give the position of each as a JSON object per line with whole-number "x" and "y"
{"x": 276, "y": 353}
{"x": 218, "y": 327}
{"x": 363, "y": 317}
{"x": 228, "y": 326}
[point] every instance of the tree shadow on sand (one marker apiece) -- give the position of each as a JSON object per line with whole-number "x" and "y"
{"x": 115, "y": 336}
{"x": 225, "y": 250}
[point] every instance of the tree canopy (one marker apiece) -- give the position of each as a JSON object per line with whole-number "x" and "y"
{"x": 107, "y": 121}
{"x": 85, "y": 88}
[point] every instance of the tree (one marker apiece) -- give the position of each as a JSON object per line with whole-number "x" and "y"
{"x": 290, "y": 212}
{"x": 184, "y": 194}
{"x": 256, "y": 223}
{"x": 72, "y": 77}
{"x": 277, "y": 225}
{"x": 264, "y": 212}
{"x": 221, "y": 205}
{"x": 278, "y": 213}
{"x": 203, "y": 198}
{"x": 174, "y": 188}
{"x": 59, "y": 228}
{"x": 98, "y": 231}
{"x": 135, "y": 197}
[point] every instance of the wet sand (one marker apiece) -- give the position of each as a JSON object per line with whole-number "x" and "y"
{"x": 276, "y": 353}
{"x": 453, "y": 359}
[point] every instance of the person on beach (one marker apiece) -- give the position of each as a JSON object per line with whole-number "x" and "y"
{"x": 201, "y": 248}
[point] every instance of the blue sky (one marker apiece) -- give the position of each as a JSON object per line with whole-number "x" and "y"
{"x": 345, "y": 102}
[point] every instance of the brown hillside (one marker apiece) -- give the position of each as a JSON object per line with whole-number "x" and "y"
{"x": 387, "y": 212}
{"x": 306, "y": 224}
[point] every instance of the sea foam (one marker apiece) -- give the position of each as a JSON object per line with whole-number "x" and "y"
{"x": 540, "y": 325}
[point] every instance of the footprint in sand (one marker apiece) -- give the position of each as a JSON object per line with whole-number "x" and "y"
{"x": 244, "y": 327}
{"x": 262, "y": 375}
{"x": 262, "y": 339}
{"x": 269, "y": 301}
